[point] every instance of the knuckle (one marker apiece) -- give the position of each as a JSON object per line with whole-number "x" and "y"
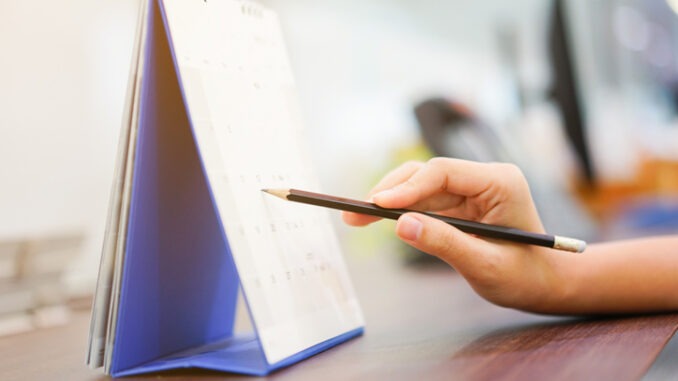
{"x": 446, "y": 246}
{"x": 412, "y": 164}
{"x": 438, "y": 162}
{"x": 510, "y": 175}
{"x": 508, "y": 169}
{"x": 440, "y": 240}
{"x": 437, "y": 170}
{"x": 410, "y": 184}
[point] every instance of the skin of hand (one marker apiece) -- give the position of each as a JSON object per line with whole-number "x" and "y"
{"x": 507, "y": 274}
{"x": 619, "y": 277}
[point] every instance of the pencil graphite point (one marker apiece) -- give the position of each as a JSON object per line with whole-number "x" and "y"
{"x": 282, "y": 193}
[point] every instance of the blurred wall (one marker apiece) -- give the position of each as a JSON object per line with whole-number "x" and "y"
{"x": 63, "y": 74}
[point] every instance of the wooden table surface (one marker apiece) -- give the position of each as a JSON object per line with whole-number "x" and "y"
{"x": 422, "y": 324}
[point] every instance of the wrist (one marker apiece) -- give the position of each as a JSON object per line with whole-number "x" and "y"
{"x": 563, "y": 295}
{"x": 556, "y": 284}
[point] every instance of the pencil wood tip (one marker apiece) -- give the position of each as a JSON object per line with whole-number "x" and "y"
{"x": 282, "y": 193}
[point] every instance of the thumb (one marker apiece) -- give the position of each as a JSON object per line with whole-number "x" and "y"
{"x": 430, "y": 235}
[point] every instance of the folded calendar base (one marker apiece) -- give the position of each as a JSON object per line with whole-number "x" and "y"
{"x": 239, "y": 354}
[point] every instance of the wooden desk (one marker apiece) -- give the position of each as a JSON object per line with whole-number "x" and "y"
{"x": 422, "y": 324}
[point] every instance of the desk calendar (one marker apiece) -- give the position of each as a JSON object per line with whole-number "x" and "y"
{"x": 211, "y": 119}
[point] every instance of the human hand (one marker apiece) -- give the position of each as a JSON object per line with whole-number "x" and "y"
{"x": 505, "y": 273}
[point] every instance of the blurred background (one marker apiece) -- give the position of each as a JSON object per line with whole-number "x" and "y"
{"x": 581, "y": 94}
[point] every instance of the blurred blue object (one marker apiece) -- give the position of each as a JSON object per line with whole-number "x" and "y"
{"x": 644, "y": 217}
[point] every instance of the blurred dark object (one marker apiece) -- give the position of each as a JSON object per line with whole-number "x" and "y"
{"x": 432, "y": 115}
{"x": 450, "y": 129}
{"x": 565, "y": 90}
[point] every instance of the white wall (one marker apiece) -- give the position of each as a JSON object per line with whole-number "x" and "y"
{"x": 63, "y": 73}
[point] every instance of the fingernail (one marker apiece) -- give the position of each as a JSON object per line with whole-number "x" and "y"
{"x": 409, "y": 228}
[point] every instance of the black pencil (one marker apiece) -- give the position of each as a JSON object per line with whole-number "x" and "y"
{"x": 472, "y": 227}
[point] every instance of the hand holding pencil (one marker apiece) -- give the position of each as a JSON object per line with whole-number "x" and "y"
{"x": 471, "y": 227}
{"x": 506, "y": 273}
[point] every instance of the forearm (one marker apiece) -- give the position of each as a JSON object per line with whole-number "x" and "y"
{"x": 620, "y": 277}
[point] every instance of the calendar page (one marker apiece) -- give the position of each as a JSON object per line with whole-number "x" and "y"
{"x": 106, "y": 296}
{"x": 241, "y": 97}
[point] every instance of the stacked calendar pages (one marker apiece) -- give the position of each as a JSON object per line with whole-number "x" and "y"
{"x": 211, "y": 119}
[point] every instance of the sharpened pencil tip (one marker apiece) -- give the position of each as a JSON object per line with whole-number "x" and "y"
{"x": 282, "y": 193}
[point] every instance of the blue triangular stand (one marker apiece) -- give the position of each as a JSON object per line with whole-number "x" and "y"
{"x": 179, "y": 284}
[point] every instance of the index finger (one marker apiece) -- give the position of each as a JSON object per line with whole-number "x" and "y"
{"x": 454, "y": 176}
